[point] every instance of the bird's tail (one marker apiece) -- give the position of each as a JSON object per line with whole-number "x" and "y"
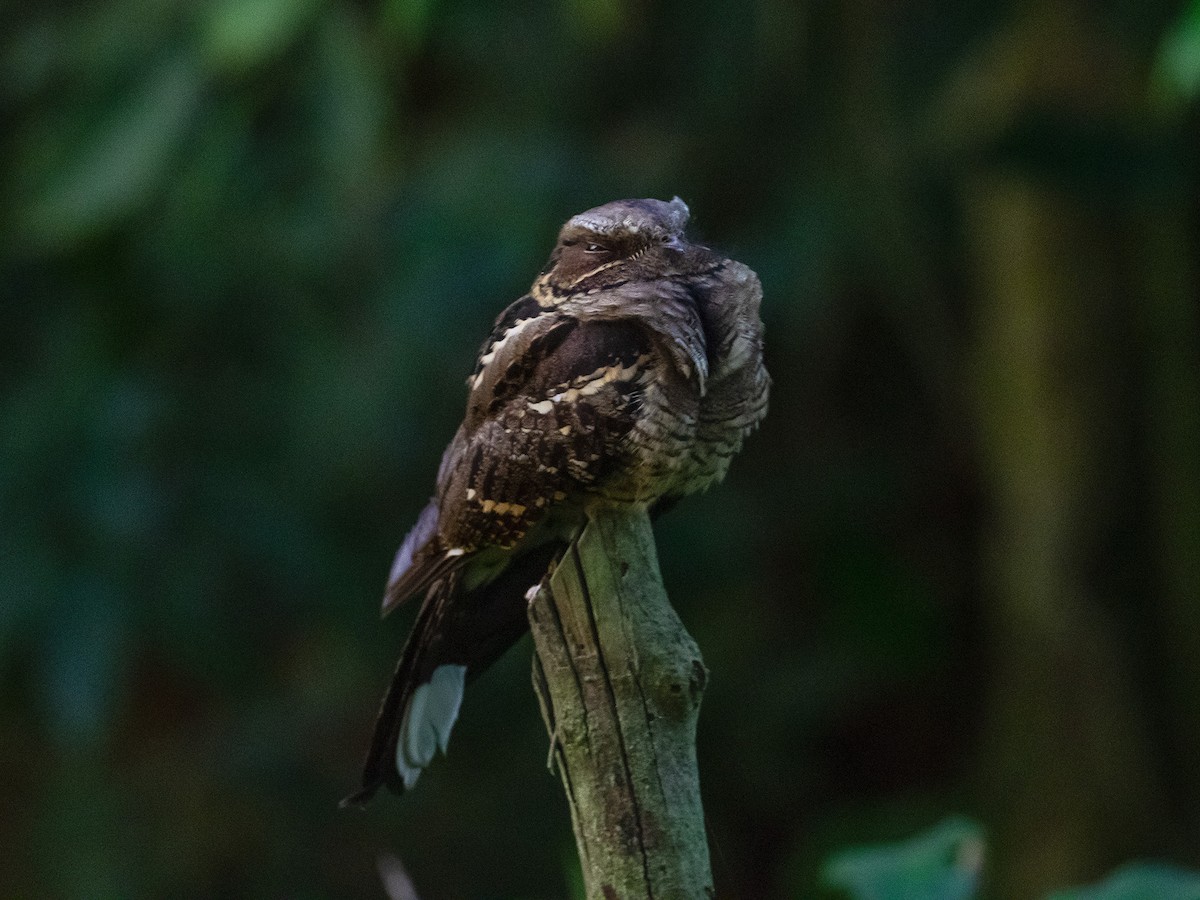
{"x": 455, "y": 637}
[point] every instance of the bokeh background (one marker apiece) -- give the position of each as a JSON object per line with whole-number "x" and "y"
{"x": 250, "y": 248}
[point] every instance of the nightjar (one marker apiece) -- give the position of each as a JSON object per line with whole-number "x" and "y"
{"x": 629, "y": 374}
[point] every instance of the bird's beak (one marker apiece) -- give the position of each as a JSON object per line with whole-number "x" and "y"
{"x": 674, "y": 242}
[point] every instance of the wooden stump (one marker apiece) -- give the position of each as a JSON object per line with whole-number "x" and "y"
{"x": 619, "y": 681}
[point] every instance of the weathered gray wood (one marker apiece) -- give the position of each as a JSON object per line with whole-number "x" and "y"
{"x": 619, "y": 680}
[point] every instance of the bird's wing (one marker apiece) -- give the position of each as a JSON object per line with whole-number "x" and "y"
{"x": 553, "y": 417}
{"x": 548, "y": 412}
{"x": 419, "y": 562}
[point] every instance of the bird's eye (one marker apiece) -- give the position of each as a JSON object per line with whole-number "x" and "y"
{"x": 595, "y": 248}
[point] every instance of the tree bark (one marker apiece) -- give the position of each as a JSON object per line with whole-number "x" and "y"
{"x": 1170, "y": 333}
{"x": 619, "y": 681}
{"x": 1068, "y": 753}
{"x": 1070, "y": 779}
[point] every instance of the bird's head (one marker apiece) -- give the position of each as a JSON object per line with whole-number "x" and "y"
{"x": 622, "y": 241}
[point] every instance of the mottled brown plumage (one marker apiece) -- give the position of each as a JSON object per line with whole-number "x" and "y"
{"x": 630, "y": 374}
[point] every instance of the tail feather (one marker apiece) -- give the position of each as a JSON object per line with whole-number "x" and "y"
{"x": 431, "y": 713}
{"x": 380, "y": 767}
{"x": 456, "y": 636}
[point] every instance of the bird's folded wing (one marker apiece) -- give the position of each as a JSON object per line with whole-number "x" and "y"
{"x": 547, "y": 414}
{"x": 553, "y": 419}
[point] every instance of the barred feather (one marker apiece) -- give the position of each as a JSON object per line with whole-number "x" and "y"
{"x": 630, "y": 373}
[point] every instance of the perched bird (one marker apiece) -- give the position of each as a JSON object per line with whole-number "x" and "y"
{"x": 629, "y": 374}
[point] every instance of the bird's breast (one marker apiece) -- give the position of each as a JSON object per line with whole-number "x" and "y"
{"x": 655, "y": 451}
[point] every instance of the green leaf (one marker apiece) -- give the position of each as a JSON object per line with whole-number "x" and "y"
{"x": 349, "y": 98}
{"x": 410, "y": 18}
{"x": 943, "y": 863}
{"x": 115, "y": 169}
{"x": 1140, "y": 881}
{"x": 1177, "y": 69}
{"x": 242, "y": 34}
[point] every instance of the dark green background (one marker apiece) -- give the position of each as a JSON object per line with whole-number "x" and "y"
{"x": 249, "y": 250}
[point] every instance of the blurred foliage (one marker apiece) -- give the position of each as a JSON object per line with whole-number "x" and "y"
{"x": 1140, "y": 881}
{"x": 1179, "y": 59}
{"x": 946, "y": 863}
{"x": 249, "y": 250}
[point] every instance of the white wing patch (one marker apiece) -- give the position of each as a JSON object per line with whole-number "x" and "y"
{"x": 431, "y": 713}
